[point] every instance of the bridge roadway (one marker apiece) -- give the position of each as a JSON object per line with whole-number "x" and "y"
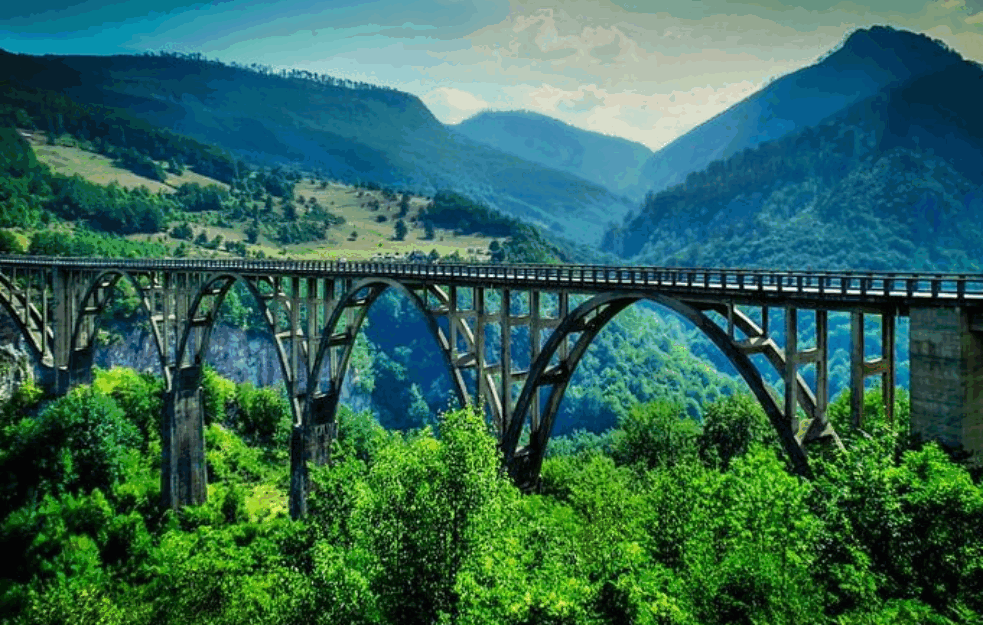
{"x": 834, "y": 290}
{"x": 314, "y": 311}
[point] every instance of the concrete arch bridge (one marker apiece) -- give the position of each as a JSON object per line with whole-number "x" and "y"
{"x": 314, "y": 311}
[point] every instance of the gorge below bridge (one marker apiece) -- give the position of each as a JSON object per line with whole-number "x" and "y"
{"x": 314, "y": 311}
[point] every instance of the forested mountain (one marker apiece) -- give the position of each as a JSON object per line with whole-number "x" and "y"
{"x": 894, "y": 181}
{"x": 869, "y": 61}
{"x": 347, "y": 130}
{"x": 611, "y": 162}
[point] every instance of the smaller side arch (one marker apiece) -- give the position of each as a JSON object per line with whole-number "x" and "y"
{"x": 93, "y": 302}
{"x": 29, "y": 321}
{"x": 350, "y": 299}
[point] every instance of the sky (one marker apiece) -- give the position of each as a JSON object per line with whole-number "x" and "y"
{"x": 645, "y": 71}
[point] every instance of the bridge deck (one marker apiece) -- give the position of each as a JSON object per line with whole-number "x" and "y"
{"x": 815, "y": 289}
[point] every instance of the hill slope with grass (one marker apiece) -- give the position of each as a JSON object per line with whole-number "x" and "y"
{"x": 352, "y": 132}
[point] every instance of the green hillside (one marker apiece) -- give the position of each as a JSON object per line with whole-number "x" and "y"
{"x": 346, "y": 131}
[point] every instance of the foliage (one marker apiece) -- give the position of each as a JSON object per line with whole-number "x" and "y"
{"x": 654, "y": 435}
{"x": 672, "y": 525}
{"x": 75, "y": 444}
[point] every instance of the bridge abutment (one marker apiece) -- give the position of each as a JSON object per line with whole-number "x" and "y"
{"x": 947, "y": 377}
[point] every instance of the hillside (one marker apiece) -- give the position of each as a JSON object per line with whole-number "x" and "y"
{"x": 892, "y": 182}
{"x": 869, "y": 61}
{"x": 611, "y": 162}
{"x": 349, "y": 131}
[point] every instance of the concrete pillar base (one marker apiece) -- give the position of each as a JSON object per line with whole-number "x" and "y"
{"x": 947, "y": 378}
{"x": 184, "y": 479}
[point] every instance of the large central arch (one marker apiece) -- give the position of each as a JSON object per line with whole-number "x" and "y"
{"x": 588, "y": 320}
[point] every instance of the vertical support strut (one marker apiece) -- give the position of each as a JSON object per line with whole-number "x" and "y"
{"x": 888, "y": 376}
{"x": 791, "y": 366}
{"x": 506, "y": 361}
{"x": 822, "y": 367}
{"x": 861, "y": 368}
{"x": 534, "y": 348}
{"x": 478, "y": 297}
{"x": 857, "y": 368}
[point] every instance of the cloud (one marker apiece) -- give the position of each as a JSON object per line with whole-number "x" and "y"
{"x": 453, "y": 105}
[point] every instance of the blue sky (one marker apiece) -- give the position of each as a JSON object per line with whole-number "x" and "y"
{"x": 647, "y": 71}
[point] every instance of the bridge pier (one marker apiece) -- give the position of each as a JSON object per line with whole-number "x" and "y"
{"x": 947, "y": 377}
{"x": 184, "y": 479}
{"x": 310, "y": 442}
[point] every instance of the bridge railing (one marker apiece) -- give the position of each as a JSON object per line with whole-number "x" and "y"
{"x": 948, "y": 286}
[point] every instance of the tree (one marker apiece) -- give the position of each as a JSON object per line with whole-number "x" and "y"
{"x": 404, "y": 205}
{"x": 428, "y": 506}
{"x": 428, "y": 229}
{"x": 289, "y": 211}
{"x": 252, "y": 232}
{"x": 9, "y": 243}
{"x": 400, "y": 230}
{"x": 730, "y": 426}
{"x": 657, "y": 434}
{"x": 182, "y": 231}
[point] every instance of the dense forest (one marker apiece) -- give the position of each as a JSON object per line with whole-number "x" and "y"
{"x": 665, "y": 520}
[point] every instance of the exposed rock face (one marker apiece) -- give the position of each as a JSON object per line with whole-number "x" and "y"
{"x": 237, "y": 355}
{"x": 15, "y": 369}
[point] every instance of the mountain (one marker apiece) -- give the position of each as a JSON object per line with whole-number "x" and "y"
{"x": 869, "y": 61}
{"x": 353, "y": 131}
{"x": 611, "y": 162}
{"x": 893, "y": 182}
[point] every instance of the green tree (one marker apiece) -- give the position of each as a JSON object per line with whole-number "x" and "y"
{"x": 78, "y": 443}
{"x": 428, "y": 506}
{"x": 730, "y": 426}
{"x": 657, "y": 434}
{"x": 400, "y": 230}
{"x": 9, "y": 243}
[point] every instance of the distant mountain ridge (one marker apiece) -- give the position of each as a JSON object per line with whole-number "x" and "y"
{"x": 611, "y": 162}
{"x": 869, "y": 61}
{"x": 353, "y": 132}
{"x": 892, "y": 182}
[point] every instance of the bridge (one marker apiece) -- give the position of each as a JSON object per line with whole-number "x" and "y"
{"x": 314, "y": 311}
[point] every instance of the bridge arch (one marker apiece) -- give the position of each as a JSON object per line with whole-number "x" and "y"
{"x": 353, "y": 298}
{"x": 98, "y": 293}
{"x": 30, "y": 321}
{"x": 210, "y": 294}
{"x": 588, "y": 320}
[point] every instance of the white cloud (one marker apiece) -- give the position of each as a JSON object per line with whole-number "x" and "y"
{"x": 452, "y": 105}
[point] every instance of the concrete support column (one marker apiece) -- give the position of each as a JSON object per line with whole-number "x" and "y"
{"x": 947, "y": 378}
{"x": 506, "y": 361}
{"x": 310, "y": 443}
{"x": 534, "y": 348}
{"x": 183, "y": 475}
{"x": 478, "y": 298}
{"x": 62, "y": 284}
{"x": 857, "y": 368}
{"x": 791, "y": 366}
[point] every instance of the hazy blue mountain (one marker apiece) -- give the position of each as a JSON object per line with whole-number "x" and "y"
{"x": 353, "y": 131}
{"x": 612, "y": 162}
{"x": 869, "y": 61}
{"x": 894, "y": 181}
